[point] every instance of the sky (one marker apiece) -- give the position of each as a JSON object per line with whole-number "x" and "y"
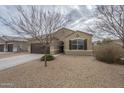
{"x": 79, "y": 14}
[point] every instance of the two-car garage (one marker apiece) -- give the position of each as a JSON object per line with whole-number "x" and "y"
{"x": 39, "y": 48}
{"x": 35, "y": 48}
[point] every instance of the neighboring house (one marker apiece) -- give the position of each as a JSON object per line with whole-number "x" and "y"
{"x": 66, "y": 41}
{"x": 118, "y": 42}
{"x": 115, "y": 41}
{"x": 13, "y": 44}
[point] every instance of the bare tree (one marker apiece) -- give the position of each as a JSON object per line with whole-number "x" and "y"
{"x": 36, "y": 22}
{"x": 110, "y": 19}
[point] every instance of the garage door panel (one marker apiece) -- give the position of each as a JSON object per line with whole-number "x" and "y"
{"x": 38, "y": 48}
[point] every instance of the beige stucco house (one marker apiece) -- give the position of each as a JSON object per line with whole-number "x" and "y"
{"x": 66, "y": 41}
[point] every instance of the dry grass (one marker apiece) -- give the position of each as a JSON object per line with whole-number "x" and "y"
{"x": 64, "y": 71}
{"x": 10, "y": 54}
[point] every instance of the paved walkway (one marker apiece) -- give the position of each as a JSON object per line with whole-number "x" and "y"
{"x": 16, "y": 60}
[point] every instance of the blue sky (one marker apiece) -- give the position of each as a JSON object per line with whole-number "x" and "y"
{"x": 79, "y": 14}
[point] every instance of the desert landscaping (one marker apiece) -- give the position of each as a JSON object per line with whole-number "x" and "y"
{"x": 64, "y": 71}
{"x": 62, "y": 46}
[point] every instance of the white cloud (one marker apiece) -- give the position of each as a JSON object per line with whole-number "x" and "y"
{"x": 89, "y": 7}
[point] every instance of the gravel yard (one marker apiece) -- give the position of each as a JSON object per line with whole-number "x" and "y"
{"x": 64, "y": 71}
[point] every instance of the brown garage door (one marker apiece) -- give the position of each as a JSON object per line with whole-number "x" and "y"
{"x": 39, "y": 48}
{"x": 2, "y": 48}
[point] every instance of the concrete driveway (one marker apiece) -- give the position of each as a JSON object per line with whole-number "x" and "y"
{"x": 16, "y": 60}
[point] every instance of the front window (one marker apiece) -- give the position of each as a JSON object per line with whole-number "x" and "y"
{"x": 77, "y": 44}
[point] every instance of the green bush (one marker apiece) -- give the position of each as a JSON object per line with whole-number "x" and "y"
{"x": 109, "y": 53}
{"x": 49, "y": 57}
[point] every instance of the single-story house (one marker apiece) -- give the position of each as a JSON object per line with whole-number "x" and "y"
{"x": 66, "y": 41}
{"x": 114, "y": 41}
{"x": 118, "y": 42}
{"x": 13, "y": 44}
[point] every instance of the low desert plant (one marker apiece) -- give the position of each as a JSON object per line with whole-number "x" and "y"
{"x": 49, "y": 57}
{"x": 109, "y": 53}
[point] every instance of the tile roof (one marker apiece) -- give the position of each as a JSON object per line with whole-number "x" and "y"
{"x": 12, "y": 38}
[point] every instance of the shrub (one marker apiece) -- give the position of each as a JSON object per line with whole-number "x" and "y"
{"x": 109, "y": 53}
{"x": 49, "y": 57}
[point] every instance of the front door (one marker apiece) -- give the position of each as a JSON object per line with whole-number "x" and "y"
{"x": 61, "y": 48}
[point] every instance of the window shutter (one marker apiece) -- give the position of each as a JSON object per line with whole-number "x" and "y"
{"x": 85, "y": 44}
{"x": 70, "y": 44}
